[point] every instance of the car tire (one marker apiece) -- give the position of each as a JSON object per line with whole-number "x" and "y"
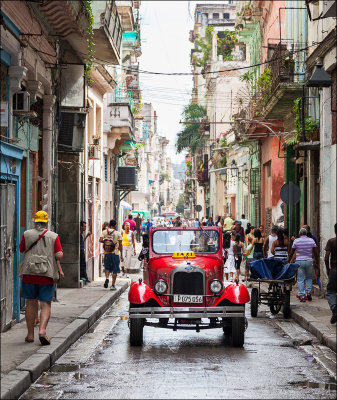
{"x": 286, "y": 304}
{"x": 136, "y": 331}
{"x": 254, "y": 302}
{"x": 238, "y": 331}
{"x": 227, "y": 328}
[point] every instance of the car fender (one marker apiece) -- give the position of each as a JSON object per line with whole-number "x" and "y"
{"x": 236, "y": 294}
{"x": 141, "y": 293}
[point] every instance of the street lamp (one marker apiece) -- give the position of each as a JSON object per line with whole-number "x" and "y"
{"x": 319, "y": 78}
{"x": 234, "y": 169}
{"x": 223, "y": 175}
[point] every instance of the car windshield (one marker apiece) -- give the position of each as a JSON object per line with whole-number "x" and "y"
{"x": 199, "y": 241}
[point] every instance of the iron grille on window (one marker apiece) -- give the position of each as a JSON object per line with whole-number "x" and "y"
{"x": 105, "y": 168}
{"x": 254, "y": 180}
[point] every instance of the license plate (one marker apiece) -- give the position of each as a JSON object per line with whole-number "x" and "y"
{"x": 187, "y": 298}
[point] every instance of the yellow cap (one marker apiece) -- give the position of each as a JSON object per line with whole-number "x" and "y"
{"x": 41, "y": 216}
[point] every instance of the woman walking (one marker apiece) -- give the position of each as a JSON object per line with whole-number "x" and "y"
{"x": 249, "y": 257}
{"x": 238, "y": 250}
{"x": 229, "y": 266}
{"x": 279, "y": 247}
{"x": 250, "y": 234}
{"x": 258, "y": 245}
{"x": 128, "y": 242}
{"x": 304, "y": 250}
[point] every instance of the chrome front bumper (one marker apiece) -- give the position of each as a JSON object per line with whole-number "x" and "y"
{"x": 187, "y": 312}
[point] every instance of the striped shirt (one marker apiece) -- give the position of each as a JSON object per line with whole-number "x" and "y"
{"x": 304, "y": 246}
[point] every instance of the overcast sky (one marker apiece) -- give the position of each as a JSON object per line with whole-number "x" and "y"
{"x": 165, "y": 27}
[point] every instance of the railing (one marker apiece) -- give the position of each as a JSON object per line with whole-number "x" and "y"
{"x": 220, "y": 21}
{"x": 287, "y": 64}
{"x": 112, "y": 22}
{"x": 120, "y": 115}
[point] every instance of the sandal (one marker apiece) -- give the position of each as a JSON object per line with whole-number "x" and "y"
{"x": 29, "y": 340}
{"x": 44, "y": 339}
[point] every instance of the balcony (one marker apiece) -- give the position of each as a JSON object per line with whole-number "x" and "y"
{"x": 69, "y": 19}
{"x": 288, "y": 72}
{"x": 220, "y": 22}
{"x": 107, "y": 31}
{"x": 119, "y": 122}
{"x": 125, "y": 10}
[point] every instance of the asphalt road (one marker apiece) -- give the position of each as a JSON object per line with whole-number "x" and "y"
{"x": 185, "y": 364}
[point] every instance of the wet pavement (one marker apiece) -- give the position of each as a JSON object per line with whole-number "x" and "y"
{"x": 186, "y": 364}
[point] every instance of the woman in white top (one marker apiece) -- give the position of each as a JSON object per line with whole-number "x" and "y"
{"x": 229, "y": 266}
{"x": 128, "y": 242}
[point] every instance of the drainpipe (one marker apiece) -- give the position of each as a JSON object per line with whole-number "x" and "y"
{"x": 27, "y": 178}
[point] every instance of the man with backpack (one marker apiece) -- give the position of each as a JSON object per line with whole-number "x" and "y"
{"x": 39, "y": 271}
{"x": 113, "y": 248}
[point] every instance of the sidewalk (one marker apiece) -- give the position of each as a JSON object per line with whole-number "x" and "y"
{"x": 72, "y": 315}
{"x": 314, "y": 316}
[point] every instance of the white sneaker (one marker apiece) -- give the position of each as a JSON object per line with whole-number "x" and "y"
{"x": 113, "y": 287}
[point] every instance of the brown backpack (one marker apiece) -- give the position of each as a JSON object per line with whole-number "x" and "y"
{"x": 108, "y": 242}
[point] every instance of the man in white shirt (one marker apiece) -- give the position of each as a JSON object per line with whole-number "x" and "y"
{"x": 244, "y": 222}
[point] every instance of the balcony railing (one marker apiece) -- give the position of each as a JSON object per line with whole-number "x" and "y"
{"x": 107, "y": 30}
{"x": 120, "y": 119}
{"x": 220, "y": 21}
{"x": 287, "y": 64}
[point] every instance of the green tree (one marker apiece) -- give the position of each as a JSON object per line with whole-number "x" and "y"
{"x": 189, "y": 137}
{"x": 180, "y": 205}
{"x": 226, "y": 44}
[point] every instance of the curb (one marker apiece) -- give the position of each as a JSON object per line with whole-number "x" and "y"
{"x": 16, "y": 382}
{"x": 312, "y": 325}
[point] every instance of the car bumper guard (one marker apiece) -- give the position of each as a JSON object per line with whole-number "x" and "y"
{"x": 187, "y": 312}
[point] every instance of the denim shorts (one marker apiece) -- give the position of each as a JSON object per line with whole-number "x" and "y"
{"x": 34, "y": 291}
{"x": 111, "y": 263}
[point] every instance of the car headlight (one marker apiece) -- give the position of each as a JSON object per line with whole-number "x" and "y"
{"x": 160, "y": 286}
{"x": 215, "y": 286}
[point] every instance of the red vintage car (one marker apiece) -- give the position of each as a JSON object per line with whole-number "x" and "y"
{"x": 183, "y": 287}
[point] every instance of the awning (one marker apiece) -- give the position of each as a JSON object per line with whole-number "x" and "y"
{"x": 151, "y": 181}
{"x": 126, "y": 205}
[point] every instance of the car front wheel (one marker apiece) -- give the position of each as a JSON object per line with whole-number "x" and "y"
{"x": 238, "y": 331}
{"x": 136, "y": 331}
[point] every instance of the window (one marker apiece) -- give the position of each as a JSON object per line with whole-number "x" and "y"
{"x": 205, "y": 15}
{"x": 110, "y": 170}
{"x": 226, "y": 15}
{"x": 105, "y": 168}
{"x": 215, "y": 15}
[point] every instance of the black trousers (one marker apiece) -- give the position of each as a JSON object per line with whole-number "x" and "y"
{"x": 138, "y": 234}
{"x": 83, "y": 266}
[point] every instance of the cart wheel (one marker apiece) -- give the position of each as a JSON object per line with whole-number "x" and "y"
{"x": 136, "y": 331}
{"x": 238, "y": 331}
{"x": 254, "y": 302}
{"x": 286, "y": 304}
{"x": 275, "y": 308}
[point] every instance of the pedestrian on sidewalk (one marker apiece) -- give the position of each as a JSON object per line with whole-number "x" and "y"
{"x": 138, "y": 221}
{"x": 228, "y": 222}
{"x": 131, "y": 222}
{"x": 129, "y": 248}
{"x": 269, "y": 242}
{"x": 239, "y": 230}
{"x": 39, "y": 271}
{"x": 304, "y": 251}
{"x": 113, "y": 249}
{"x": 83, "y": 262}
{"x": 331, "y": 269}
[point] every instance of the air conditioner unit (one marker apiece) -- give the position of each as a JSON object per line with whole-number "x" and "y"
{"x": 127, "y": 177}
{"x": 21, "y": 101}
{"x": 94, "y": 153}
{"x": 71, "y": 132}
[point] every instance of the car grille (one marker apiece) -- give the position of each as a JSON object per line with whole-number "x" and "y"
{"x": 188, "y": 283}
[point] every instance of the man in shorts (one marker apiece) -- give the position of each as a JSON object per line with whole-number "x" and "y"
{"x": 111, "y": 258}
{"x": 39, "y": 271}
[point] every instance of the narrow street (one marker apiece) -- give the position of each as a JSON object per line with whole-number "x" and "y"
{"x": 186, "y": 364}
